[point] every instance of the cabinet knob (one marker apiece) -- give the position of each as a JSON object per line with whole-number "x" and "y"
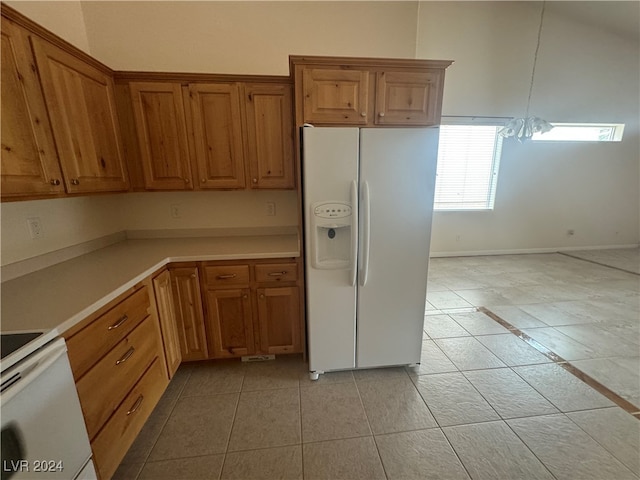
{"x": 363, "y": 114}
{"x": 262, "y": 295}
{"x": 186, "y": 180}
{"x": 55, "y": 181}
{"x": 381, "y": 114}
{"x": 204, "y": 180}
{"x": 75, "y": 181}
{"x": 254, "y": 180}
{"x": 245, "y": 296}
{"x": 193, "y": 275}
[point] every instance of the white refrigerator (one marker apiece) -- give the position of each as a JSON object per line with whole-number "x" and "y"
{"x": 368, "y": 203}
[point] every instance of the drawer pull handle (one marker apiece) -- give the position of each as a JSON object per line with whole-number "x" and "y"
{"x": 136, "y": 405}
{"x": 126, "y": 356}
{"x": 278, "y": 274}
{"x": 118, "y": 323}
{"x": 226, "y": 276}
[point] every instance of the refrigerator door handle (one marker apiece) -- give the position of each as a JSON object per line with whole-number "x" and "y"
{"x": 354, "y": 233}
{"x": 366, "y": 235}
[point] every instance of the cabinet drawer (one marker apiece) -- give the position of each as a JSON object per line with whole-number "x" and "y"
{"x": 92, "y": 342}
{"x": 231, "y": 275}
{"x": 276, "y": 272}
{"x": 101, "y": 390}
{"x": 112, "y": 443}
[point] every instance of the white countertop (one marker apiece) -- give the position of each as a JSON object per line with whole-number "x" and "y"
{"x": 56, "y": 298}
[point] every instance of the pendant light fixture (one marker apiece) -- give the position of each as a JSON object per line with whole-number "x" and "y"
{"x": 523, "y": 128}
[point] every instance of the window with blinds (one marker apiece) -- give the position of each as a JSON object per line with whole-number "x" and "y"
{"x": 468, "y": 161}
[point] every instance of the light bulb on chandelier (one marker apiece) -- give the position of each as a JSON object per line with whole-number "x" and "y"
{"x": 523, "y": 128}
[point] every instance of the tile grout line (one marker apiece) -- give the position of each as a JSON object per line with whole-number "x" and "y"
{"x": 558, "y": 360}
{"x": 599, "y": 263}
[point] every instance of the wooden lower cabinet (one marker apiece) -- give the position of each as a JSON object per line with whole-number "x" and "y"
{"x": 230, "y": 323}
{"x": 189, "y": 316}
{"x": 118, "y": 383}
{"x": 253, "y": 308}
{"x": 167, "y": 318}
{"x": 111, "y": 444}
{"x": 279, "y": 320}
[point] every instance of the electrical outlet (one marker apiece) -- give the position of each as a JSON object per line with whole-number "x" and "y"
{"x": 35, "y": 228}
{"x": 271, "y": 209}
{"x": 176, "y": 211}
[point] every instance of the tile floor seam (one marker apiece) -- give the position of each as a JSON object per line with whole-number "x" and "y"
{"x": 567, "y": 365}
{"x": 164, "y": 423}
{"x": 568, "y": 254}
{"x": 233, "y": 421}
{"x": 527, "y": 446}
{"x": 456, "y": 453}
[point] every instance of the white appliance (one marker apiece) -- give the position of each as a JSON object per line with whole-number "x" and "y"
{"x": 43, "y": 430}
{"x": 368, "y": 203}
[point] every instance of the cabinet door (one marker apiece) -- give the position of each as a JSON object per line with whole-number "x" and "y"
{"x": 279, "y": 320}
{"x": 29, "y": 158}
{"x": 217, "y": 129}
{"x": 81, "y": 105}
{"x": 269, "y": 121}
{"x": 167, "y": 317}
{"x": 162, "y": 135}
{"x": 408, "y": 98}
{"x": 335, "y": 96}
{"x": 189, "y": 314}
{"x": 229, "y": 324}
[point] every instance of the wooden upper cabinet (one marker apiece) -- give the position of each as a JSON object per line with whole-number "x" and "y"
{"x": 335, "y": 96}
{"x": 162, "y": 135}
{"x": 372, "y": 92}
{"x": 408, "y": 98}
{"x": 217, "y": 133}
{"x": 269, "y": 135}
{"x": 29, "y": 158}
{"x": 81, "y": 105}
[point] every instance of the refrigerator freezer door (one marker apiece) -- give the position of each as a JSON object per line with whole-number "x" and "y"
{"x": 330, "y": 166}
{"x": 398, "y": 167}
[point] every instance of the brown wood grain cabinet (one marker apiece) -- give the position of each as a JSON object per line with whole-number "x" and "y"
{"x": 253, "y": 308}
{"x": 367, "y": 91}
{"x": 81, "y": 105}
{"x": 408, "y": 98}
{"x": 268, "y": 110}
{"x": 279, "y": 319}
{"x": 119, "y": 367}
{"x": 336, "y": 96}
{"x": 162, "y": 135}
{"x": 29, "y": 157}
{"x": 189, "y": 320}
{"x": 167, "y": 316}
{"x": 229, "y": 322}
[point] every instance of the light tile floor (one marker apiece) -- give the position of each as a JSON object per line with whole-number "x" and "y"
{"x": 483, "y": 403}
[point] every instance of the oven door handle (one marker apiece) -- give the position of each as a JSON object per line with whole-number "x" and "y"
{"x": 14, "y": 384}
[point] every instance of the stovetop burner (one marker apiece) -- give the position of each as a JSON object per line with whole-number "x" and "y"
{"x": 10, "y": 342}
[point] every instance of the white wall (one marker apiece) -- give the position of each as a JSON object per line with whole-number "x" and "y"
{"x": 65, "y": 222}
{"x": 214, "y": 37}
{"x": 64, "y": 18}
{"x": 244, "y": 37}
{"x": 234, "y": 209}
{"x": 583, "y": 75}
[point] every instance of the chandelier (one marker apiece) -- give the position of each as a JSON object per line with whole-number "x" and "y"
{"x": 523, "y": 128}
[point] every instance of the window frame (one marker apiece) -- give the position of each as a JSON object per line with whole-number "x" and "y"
{"x": 497, "y": 123}
{"x": 615, "y": 135}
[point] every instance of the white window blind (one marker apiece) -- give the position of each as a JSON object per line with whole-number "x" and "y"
{"x": 468, "y": 161}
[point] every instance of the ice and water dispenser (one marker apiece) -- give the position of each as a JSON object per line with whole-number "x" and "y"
{"x": 331, "y": 240}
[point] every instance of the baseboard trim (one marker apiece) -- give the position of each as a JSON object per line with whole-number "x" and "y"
{"x": 521, "y": 251}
